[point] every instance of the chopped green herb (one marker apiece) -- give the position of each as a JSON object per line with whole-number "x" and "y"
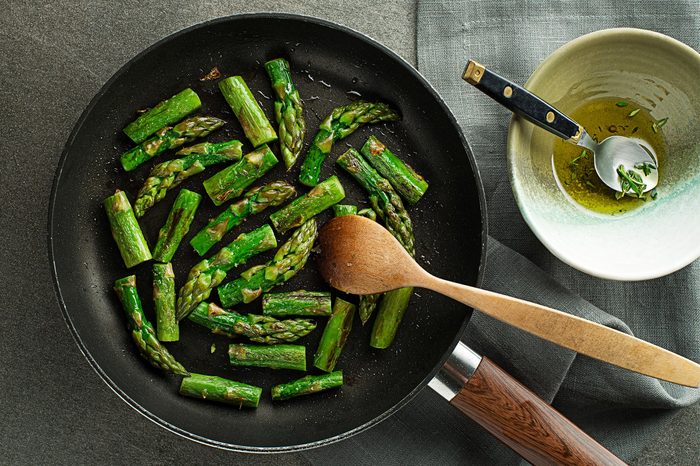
{"x": 654, "y": 194}
{"x": 622, "y": 103}
{"x": 590, "y": 185}
{"x": 655, "y": 127}
{"x": 633, "y": 112}
{"x": 212, "y": 348}
{"x": 630, "y": 179}
{"x": 582, "y": 155}
{"x": 646, "y": 167}
{"x": 661, "y": 122}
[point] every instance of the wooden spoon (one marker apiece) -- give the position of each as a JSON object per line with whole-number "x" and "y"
{"x": 359, "y": 256}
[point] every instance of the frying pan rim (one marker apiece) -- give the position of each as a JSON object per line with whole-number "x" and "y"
{"x": 52, "y": 202}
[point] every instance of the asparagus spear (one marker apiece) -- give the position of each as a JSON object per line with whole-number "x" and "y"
{"x": 301, "y": 209}
{"x": 209, "y": 273}
{"x": 255, "y": 201}
{"x": 231, "y": 181}
{"x": 368, "y": 213}
{"x": 210, "y": 387}
{"x": 289, "y": 110}
{"x": 342, "y": 122}
{"x": 297, "y": 303}
{"x": 289, "y": 259}
{"x": 307, "y": 385}
{"x": 344, "y": 209}
{"x": 257, "y": 328}
{"x": 334, "y": 335}
{"x": 170, "y": 174}
{"x": 274, "y": 357}
{"x": 125, "y": 230}
{"x": 177, "y": 225}
{"x": 164, "y": 300}
{"x": 141, "y": 329}
{"x": 368, "y": 302}
{"x": 256, "y": 126}
{"x": 407, "y": 182}
{"x": 391, "y": 311}
{"x": 169, "y": 138}
{"x": 166, "y": 112}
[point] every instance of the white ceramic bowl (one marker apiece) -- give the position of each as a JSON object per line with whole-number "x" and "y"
{"x": 658, "y": 238}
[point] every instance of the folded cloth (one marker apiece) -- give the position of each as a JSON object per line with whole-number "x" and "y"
{"x": 620, "y": 409}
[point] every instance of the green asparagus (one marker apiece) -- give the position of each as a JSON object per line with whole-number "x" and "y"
{"x": 334, "y": 335}
{"x": 209, "y": 273}
{"x": 344, "y": 209}
{"x": 177, "y": 225}
{"x": 166, "y": 112}
{"x": 164, "y": 300}
{"x": 368, "y": 213}
{"x": 391, "y": 311}
{"x": 125, "y": 230}
{"x": 297, "y": 303}
{"x": 257, "y": 328}
{"x": 141, "y": 329}
{"x": 407, "y": 182}
{"x": 169, "y": 138}
{"x": 342, "y": 122}
{"x": 167, "y": 175}
{"x": 289, "y": 259}
{"x": 254, "y": 201}
{"x": 231, "y": 181}
{"x": 274, "y": 357}
{"x": 289, "y": 110}
{"x": 301, "y": 209}
{"x": 210, "y": 387}
{"x": 256, "y": 126}
{"x": 307, "y": 385}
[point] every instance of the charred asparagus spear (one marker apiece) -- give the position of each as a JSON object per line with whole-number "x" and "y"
{"x": 297, "y": 303}
{"x": 164, "y": 300}
{"x": 209, "y": 273}
{"x": 256, "y": 126}
{"x": 254, "y": 201}
{"x": 289, "y": 259}
{"x": 274, "y": 357}
{"x": 231, "y": 181}
{"x": 334, "y": 335}
{"x": 169, "y": 138}
{"x": 170, "y": 174}
{"x": 307, "y": 385}
{"x": 141, "y": 329}
{"x": 177, "y": 225}
{"x": 210, "y": 387}
{"x": 407, "y": 182}
{"x": 321, "y": 197}
{"x": 391, "y": 311}
{"x": 344, "y": 209}
{"x": 125, "y": 230}
{"x": 342, "y": 122}
{"x": 289, "y": 110}
{"x": 257, "y": 328}
{"x": 368, "y": 213}
{"x": 166, "y": 112}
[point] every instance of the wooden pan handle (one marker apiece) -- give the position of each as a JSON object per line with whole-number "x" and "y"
{"x": 524, "y": 422}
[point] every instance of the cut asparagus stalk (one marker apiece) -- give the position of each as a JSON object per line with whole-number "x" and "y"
{"x": 310, "y": 204}
{"x": 407, "y": 182}
{"x": 141, "y": 329}
{"x": 169, "y": 138}
{"x": 307, "y": 385}
{"x": 257, "y": 328}
{"x": 256, "y": 126}
{"x": 344, "y": 209}
{"x": 125, "y": 230}
{"x": 342, "y": 122}
{"x": 274, "y": 357}
{"x": 167, "y": 175}
{"x": 368, "y": 213}
{"x": 297, "y": 303}
{"x": 254, "y": 201}
{"x": 289, "y": 110}
{"x": 289, "y": 259}
{"x": 177, "y": 225}
{"x": 167, "y": 328}
{"x": 209, "y": 273}
{"x": 210, "y": 387}
{"x": 334, "y": 335}
{"x": 368, "y": 302}
{"x": 391, "y": 311}
{"x": 230, "y": 182}
{"x": 166, "y": 112}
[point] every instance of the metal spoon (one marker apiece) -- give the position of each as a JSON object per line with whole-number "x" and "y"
{"x": 608, "y": 156}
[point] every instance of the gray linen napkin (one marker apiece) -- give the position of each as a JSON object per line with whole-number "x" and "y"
{"x": 620, "y": 409}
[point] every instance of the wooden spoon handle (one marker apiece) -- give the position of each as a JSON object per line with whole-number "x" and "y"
{"x": 524, "y": 422}
{"x": 572, "y": 332}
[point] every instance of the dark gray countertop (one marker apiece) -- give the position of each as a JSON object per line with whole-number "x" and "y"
{"x": 54, "y": 407}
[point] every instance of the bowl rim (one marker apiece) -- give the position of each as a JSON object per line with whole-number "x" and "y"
{"x": 515, "y": 127}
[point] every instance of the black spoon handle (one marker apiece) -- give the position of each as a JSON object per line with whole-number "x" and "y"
{"x": 522, "y": 102}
